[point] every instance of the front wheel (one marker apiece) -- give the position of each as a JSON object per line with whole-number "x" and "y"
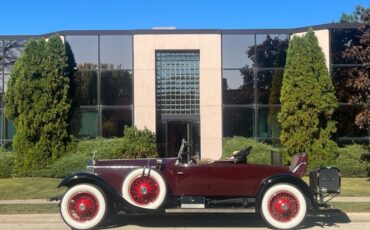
{"x": 83, "y": 206}
{"x": 283, "y": 206}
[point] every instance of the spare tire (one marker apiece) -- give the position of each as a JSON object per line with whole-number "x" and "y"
{"x": 144, "y": 188}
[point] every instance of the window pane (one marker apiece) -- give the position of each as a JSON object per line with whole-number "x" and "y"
{"x": 237, "y": 51}
{"x": 85, "y": 51}
{"x": 238, "y": 122}
{"x": 86, "y": 87}
{"x": 116, "y": 87}
{"x": 4, "y": 87}
{"x": 269, "y": 86}
{"x": 84, "y": 124}
{"x": 342, "y": 79}
{"x": 341, "y": 39}
{"x": 268, "y": 124}
{"x": 10, "y": 130}
{"x": 238, "y": 86}
{"x": 347, "y": 131}
{"x": 114, "y": 121}
{"x": 12, "y": 51}
{"x": 271, "y": 50}
{"x": 1, "y": 123}
{"x": 116, "y": 52}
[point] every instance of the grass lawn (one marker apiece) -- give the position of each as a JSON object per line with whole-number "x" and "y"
{"x": 351, "y": 207}
{"x": 355, "y": 187}
{"x": 29, "y": 188}
{"x": 42, "y": 188}
{"x": 28, "y": 208}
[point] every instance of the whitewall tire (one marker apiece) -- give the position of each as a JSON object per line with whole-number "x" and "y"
{"x": 283, "y": 206}
{"x": 83, "y": 206}
{"x": 144, "y": 188}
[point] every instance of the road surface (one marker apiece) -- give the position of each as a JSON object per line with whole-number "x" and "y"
{"x": 330, "y": 220}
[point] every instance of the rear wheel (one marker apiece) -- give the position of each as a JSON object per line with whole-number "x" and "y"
{"x": 283, "y": 206}
{"x": 144, "y": 188}
{"x": 83, "y": 206}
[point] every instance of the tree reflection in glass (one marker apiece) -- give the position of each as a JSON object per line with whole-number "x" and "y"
{"x": 116, "y": 87}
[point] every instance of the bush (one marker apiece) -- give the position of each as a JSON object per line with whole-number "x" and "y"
{"x": 6, "y": 163}
{"x": 78, "y": 155}
{"x": 137, "y": 144}
{"x": 349, "y": 161}
{"x": 261, "y": 152}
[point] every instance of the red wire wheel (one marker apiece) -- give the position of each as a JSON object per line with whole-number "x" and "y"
{"x": 144, "y": 188}
{"x": 83, "y": 206}
{"x": 283, "y": 206}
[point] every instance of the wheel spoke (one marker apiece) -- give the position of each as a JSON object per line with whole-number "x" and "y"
{"x": 83, "y": 206}
{"x": 283, "y": 206}
{"x": 144, "y": 190}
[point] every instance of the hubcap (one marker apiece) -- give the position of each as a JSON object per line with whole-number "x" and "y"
{"x": 144, "y": 190}
{"x": 283, "y": 206}
{"x": 83, "y": 206}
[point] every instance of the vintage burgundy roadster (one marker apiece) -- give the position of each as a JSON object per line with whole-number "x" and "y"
{"x": 181, "y": 185}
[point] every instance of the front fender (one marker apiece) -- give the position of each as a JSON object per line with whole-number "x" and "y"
{"x": 290, "y": 179}
{"x": 87, "y": 178}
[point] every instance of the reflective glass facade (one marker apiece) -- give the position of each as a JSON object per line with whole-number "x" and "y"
{"x": 253, "y": 68}
{"x": 10, "y": 50}
{"x": 103, "y": 84}
{"x": 252, "y": 71}
{"x": 342, "y": 69}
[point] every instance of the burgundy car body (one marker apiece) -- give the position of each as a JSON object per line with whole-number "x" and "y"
{"x": 220, "y": 178}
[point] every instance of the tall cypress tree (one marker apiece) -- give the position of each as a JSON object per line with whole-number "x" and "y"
{"x": 308, "y": 102}
{"x": 38, "y": 102}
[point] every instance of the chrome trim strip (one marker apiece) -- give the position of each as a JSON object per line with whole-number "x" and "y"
{"x": 119, "y": 167}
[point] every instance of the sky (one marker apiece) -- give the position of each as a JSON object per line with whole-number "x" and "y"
{"x": 35, "y": 17}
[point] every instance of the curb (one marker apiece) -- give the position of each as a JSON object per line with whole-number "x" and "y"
{"x": 32, "y": 201}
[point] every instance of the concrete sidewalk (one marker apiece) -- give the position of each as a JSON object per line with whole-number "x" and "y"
{"x": 44, "y": 201}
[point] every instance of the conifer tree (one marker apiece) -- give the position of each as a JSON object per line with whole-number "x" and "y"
{"x": 38, "y": 102}
{"x": 308, "y": 102}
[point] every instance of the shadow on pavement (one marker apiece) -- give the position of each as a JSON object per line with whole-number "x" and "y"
{"x": 188, "y": 220}
{"x": 323, "y": 219}
{"x": 326, "y": 218}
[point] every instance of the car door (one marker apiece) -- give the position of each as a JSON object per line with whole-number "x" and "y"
{"x": 190, "y": 179}
{"x": 229, "y": 179}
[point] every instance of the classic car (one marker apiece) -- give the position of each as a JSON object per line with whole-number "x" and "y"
{"x": 183, "y": 185}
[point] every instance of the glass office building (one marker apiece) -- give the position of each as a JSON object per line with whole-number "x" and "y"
{"x": 201, "y": 85}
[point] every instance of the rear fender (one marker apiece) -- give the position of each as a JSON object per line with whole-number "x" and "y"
{"x": 87, "y": 178}
{"x": 289, "y": 179}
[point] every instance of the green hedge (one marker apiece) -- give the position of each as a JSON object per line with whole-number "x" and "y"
{"x": 261, "y": 152}
{"x": 6, "y": 163}
{"x": 350, "y": 163}
{"x": 78, "y": 155}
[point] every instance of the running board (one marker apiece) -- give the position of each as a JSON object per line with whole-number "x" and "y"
{"x": 211, "y": 210}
